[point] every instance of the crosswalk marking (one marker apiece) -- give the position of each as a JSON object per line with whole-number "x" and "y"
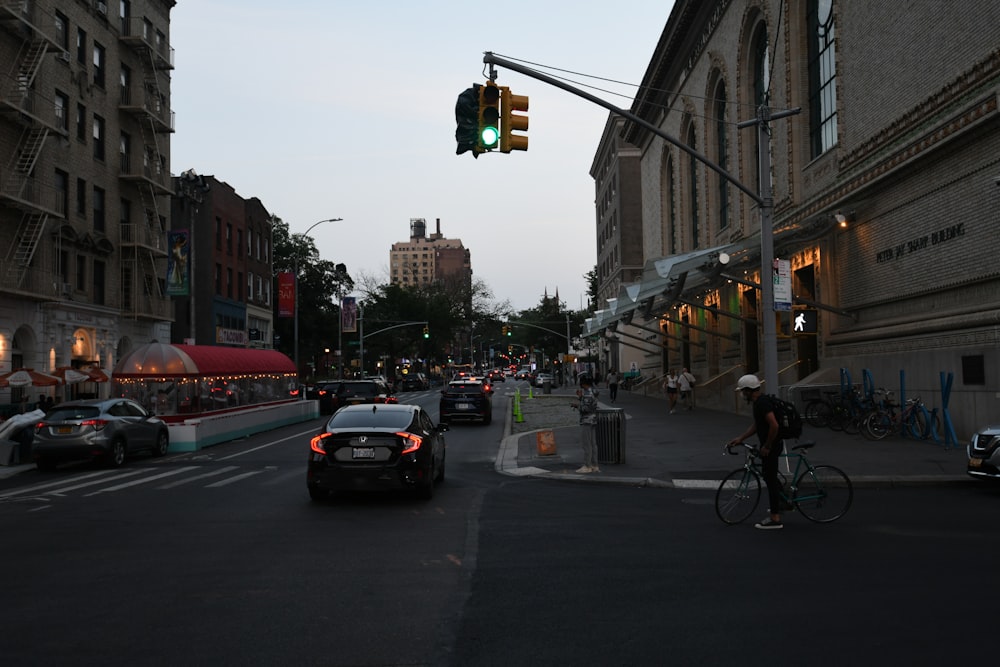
{"x": 144, "y": 480}
{"x": 213, "y": 473}
{"x": 234, "y": 479}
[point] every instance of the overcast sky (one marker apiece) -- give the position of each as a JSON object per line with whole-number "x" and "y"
{"x": 345, "y": 109}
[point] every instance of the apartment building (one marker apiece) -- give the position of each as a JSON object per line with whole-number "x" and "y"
{"x": 426, "y": 259}
{"x": 221, "y": 243}
{"x": 85, "y": 127}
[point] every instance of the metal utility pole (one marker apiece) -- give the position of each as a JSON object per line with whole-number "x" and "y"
{"x": 295, "y": 293}
{"x": 764, "y": 198}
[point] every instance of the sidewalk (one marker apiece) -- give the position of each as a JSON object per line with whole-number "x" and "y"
{"x": 685, "y": 449}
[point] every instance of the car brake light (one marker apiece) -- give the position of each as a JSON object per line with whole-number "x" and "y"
{"x": 98, "y": 424}
{"x": 411, "y": 443}
{"x": 317, "y": 444}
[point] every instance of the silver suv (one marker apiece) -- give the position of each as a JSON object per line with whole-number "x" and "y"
{"x": 110, "y": 430}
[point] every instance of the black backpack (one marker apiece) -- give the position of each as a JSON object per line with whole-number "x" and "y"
{"x": 789, "y": 419}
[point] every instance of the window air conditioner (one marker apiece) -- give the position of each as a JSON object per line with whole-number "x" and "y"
{"x": 67, "y": 289}
{"x": 102, "y": 7}
{"x": 64, "y": 56}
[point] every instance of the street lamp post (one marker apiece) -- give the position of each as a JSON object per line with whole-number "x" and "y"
{"x": 295, "y": 294}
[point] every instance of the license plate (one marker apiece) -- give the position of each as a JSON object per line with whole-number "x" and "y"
{"x": 364, "y": 452}
{"x": 464, "y": 406}
{"x": 975, "y": 463}
{"x": 64, "y": 430}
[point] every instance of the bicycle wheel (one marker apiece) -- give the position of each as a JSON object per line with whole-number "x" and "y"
{"x": 737, "y": 496}
{"x": 878, "y": 425}
{"x": 817, "y": 413}
{"x": 823, "y": 494}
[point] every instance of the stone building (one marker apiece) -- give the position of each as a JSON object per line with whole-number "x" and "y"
{"x": 428, "y": 258}
{"x": 82, "y": 225}
{"x": 886, "y": 194}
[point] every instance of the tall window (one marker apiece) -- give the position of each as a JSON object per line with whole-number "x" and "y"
{"x": 81, "y": 47}
{"x": 61, "y": 27}
{"x": 61, "y": 184}
{"x": 99, "y": 67}
{"x": 81, "y": 122}
{"x": 693, "y": 192}
{"x": 62, "y": 111}
{"x": 722, "y": 154}
{"x": 822, "y": 77}
{"x": 98, "y": 292}
{"x": 98, "y": 209}
{"x": 98, "y": 138}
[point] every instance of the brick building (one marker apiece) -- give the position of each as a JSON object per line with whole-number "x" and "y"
{"x": 425, "y": 259}
{"x": 886, "y": 194}
{"x": 85, "y": 127}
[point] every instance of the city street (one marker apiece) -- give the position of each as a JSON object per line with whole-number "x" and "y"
{"x": 219, "y": 557}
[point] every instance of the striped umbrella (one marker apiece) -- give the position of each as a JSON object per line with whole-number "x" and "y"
{"x": 25, "y": 377}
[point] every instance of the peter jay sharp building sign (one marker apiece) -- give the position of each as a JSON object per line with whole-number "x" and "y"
{"x": 949, "y": 233}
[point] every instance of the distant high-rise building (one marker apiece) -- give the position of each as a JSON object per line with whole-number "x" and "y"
{"x": 424, "y": 260}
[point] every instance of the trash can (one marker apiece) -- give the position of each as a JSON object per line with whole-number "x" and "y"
{"x": 546, "y": 386}
{"x": 610, "y": 435}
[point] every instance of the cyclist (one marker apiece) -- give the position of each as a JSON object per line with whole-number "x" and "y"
{"x": 765, "y": 425}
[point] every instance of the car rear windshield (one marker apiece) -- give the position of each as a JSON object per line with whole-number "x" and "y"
{"x": 465, "y": 389}
{"x": 72, "y": 412}
{"x": 360, "y": 389}
{"x": 369, "y": 418}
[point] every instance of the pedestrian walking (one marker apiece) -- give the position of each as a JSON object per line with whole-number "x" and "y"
{"x": 765, "y": 425}
{"x": 685, "y": 382}
{"x": 670, "y": 385}
{"x": 586, "y": 404}
{"x": 612, "y": 381}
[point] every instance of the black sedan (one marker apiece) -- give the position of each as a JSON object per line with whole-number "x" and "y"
{"x": 376, "y": 447}
{"x": 466, "y": 399}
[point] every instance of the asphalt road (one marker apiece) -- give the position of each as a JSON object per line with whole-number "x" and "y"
{"x": 218, "y": 557}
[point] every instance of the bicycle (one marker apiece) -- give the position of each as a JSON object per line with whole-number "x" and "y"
{"x": 820, "y": 493}
{"x": 915, "y": 421}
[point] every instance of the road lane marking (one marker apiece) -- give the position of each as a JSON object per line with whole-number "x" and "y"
{"x": 220, "y": 471}
{"x": 137, "y": 482}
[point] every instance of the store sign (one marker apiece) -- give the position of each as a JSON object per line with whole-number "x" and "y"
{"x": 782, "y": 277}
{"x": 230, "y": 336}
{"x": 949, "y": 233}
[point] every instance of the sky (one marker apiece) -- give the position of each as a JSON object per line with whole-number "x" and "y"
{"x": 346, "y": 109}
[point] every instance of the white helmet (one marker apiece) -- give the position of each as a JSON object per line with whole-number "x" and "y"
{"x": 747, "y": 382}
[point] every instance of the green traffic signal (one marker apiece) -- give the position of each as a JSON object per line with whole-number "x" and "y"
{"x": 427, "y": 332}
{"x": 489, "y": 116}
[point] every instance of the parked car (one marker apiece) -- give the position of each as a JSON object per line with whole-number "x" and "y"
{"x": 372, "y": 447}
{"x": 325, "y": 392}
{"x": 984, "y": 453}
{"x": 414, "y": 382}
{"x": 110, "y": 430}
{"x": 351, "y": 392}
{"x": 542, "y": 378}
{"x": 466, "y": 399}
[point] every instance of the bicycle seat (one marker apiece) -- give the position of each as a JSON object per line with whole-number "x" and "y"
{"x": 804, "y": 445}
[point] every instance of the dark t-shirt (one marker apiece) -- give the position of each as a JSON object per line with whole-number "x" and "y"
{"x": 761, "y": 408}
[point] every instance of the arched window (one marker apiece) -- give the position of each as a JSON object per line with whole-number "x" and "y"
{"x": 822, "y": 77}
{"x": 722, "y": 154}
{"x": 693, "y": 193}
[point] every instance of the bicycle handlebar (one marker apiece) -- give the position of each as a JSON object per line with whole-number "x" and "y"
{"x": 750, "y": 448}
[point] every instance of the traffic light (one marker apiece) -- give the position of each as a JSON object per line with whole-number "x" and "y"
{"x": 427, "y": 332}
{"x": 509, "y": 121}
{"x": 489, "y": 116}
{"x": 509, "y": 330}
{"x": 467, "y": 121}
{"x": 503, "y": 330}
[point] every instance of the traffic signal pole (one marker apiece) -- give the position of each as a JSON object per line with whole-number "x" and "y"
{"x": 764, "y": 199}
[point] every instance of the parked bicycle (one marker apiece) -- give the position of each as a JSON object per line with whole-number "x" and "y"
{"x": 915, "y": 420}
{"x": 820, "y": 493}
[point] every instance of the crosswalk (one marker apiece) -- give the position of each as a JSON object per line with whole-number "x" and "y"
{"x": 64, "y": 484}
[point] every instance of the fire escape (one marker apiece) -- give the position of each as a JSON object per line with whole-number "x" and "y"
{"x": 36, "y": 119}
{"x": 145, "y": 168}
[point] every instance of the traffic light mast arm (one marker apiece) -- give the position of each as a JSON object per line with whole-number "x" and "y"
{"x": 490, "y": 59}
{"x": 395, "y": 326}
{"x": 535, "y": 326}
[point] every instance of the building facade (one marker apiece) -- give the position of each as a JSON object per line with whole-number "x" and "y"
{"x": 228, "y": 256}
{"x": 83, "y": 225}
{"x": 427, "y": 259}
{"x": 620, "y": 256}
{"x": 886, "y": 195}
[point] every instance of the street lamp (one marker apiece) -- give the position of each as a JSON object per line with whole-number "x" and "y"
{"x": 295, "y": 294}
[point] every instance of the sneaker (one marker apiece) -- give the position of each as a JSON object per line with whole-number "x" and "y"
{"x": 769, "y": 524}
{"x": 671, "y": 412}
{"x": 584, "y": 469}
{"x": 595, "y": 469}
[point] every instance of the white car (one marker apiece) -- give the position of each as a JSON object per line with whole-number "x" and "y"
{"x": 542, "y": 378}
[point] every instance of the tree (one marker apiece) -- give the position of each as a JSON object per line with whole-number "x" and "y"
{"x": 319, "y": 284}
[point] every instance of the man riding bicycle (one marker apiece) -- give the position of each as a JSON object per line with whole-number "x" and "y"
{"x": 765, "y": 425}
